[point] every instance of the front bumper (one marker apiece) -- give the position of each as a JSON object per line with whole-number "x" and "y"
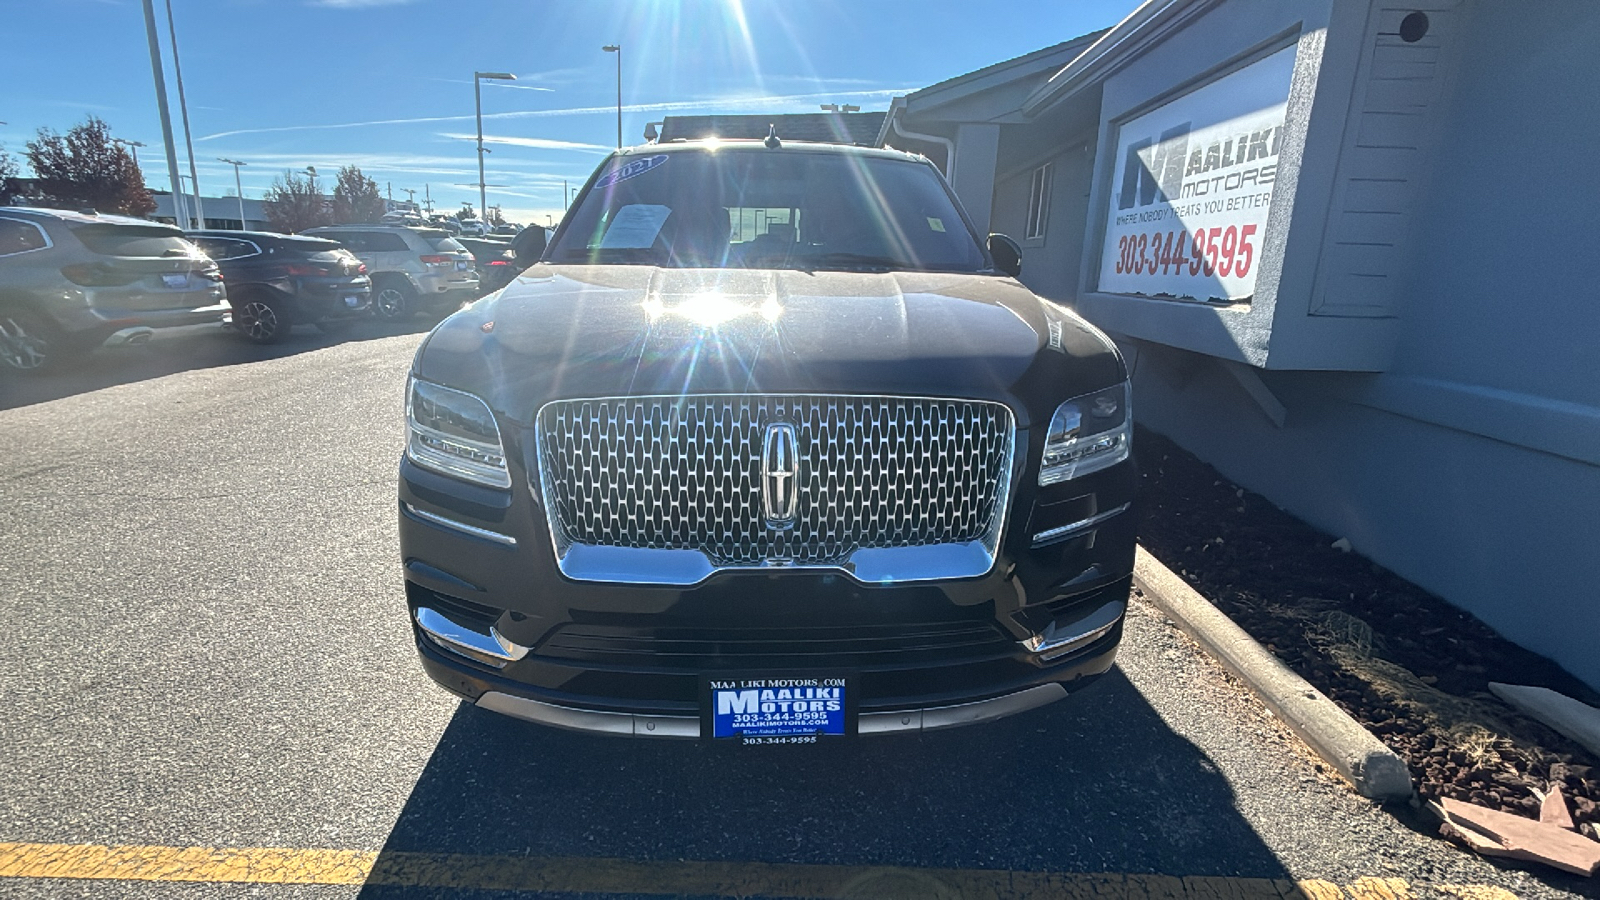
{"x": 497, "y": 624}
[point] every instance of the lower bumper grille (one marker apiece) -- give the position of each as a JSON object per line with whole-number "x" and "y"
{"x": 686, "y": 647}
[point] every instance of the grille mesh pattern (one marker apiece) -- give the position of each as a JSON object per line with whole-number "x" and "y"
{"x": 685, "y": 473}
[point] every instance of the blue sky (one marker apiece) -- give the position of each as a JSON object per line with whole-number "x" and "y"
{"x": 387, "y": 84}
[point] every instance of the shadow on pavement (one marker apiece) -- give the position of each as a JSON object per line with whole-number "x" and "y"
{"x": 1094, "y": 783}
{"x": 181, "y": 350}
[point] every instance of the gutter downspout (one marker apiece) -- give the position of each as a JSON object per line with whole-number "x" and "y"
{"x": 949, "y": 145}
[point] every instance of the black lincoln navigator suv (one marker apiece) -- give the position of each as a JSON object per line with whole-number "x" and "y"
{"x": 769, "y": 446}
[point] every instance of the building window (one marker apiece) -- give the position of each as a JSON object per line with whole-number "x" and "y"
{"x": 1039, "y": 202}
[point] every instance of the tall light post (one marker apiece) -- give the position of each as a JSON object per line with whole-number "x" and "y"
{"x": 617, "y": 49}
{"x": 183, "y": 107}
{"x": 180, "y": 211}
{"x": 477, "y": 97}
{"x": 238, "y": 188}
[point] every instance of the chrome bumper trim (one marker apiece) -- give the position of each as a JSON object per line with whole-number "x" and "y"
{"x": 938, "y": 717}
{"x": 492, "y": 649}
{"x": 452, "y": 524}
{"x": 1057, "y": 641}
{"x": 685, "y": 568}
{"x": 1066, "y": 531}
{"x": 592, "y": 721}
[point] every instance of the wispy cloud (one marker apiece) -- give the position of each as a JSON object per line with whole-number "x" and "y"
{"x": 722, "y": 103}
{"x": 519, "y": 87}
{"x": 536, "y": 143}
{"x": 493, "y": 83}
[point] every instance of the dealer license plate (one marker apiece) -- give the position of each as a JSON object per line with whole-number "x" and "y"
{"x": 778, "y": 710}
{"x": 178, "y": 280}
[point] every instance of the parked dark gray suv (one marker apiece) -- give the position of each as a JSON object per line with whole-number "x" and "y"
{"x": 71, "y": 281}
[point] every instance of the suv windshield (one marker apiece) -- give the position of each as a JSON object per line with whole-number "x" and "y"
{"x": 762, "y": 208}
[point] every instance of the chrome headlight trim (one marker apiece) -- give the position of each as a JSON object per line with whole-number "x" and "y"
{"x": 465, "y": 443}
{"x": 1088, "y": 433}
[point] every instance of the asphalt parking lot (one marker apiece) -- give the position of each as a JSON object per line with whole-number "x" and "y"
{"x": 206, "y": 647}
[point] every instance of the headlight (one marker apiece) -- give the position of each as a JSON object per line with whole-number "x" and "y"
{"x": 1087, "y": 434}
{"x": 453, "y": 432}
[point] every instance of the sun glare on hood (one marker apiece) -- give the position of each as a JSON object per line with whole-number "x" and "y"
{"x": 710, "y": 309}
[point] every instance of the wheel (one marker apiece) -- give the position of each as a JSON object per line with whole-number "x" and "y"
{"x": 261, "y": 320}
{"x": 30, "y": 346}
{"x": 394, "y": 300}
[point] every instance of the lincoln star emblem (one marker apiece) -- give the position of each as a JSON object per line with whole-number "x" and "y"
{"x": 778, "y": 466}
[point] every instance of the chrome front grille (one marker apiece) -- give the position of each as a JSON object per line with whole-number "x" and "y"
{"x": 685, "y": 475}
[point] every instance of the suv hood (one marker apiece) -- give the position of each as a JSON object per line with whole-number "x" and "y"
{"x": 594, "y": 331}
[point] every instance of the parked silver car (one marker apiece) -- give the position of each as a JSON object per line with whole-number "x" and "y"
{"x": 412, "y": 269}
{"x": 71, "y": 281}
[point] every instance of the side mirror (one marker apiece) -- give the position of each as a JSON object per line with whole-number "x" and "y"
{"x": 1007, "y": 254}
{"x": 529, "y": 244}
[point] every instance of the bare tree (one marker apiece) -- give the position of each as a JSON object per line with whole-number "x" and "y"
{"x": 294, "y": 203}
{"x": 493, "y": 216}
{"x": 85, "y": 167}
{"x": 467, "y": 212}
{"x": 356, "y": 198}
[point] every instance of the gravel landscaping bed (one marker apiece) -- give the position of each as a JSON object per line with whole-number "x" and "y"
{"x": 1403, "y": 662}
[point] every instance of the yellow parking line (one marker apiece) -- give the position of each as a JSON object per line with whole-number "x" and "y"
{"x": 278, "y": 865}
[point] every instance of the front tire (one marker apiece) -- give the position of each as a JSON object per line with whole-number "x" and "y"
{"x": 394, "y": 300}
{"x": 261, "y": 320}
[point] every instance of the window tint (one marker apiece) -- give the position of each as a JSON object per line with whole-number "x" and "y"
{"x": 133, "y": 240}
{"x": 225, "y": 248}
{"x": 17, "y": 236}
{"x": 764, "y": 209}
{"x": 354, "y": 241}
{"x": 383, "y": 242}
{"x": 1039, "y": 202}
{"x": 443, "y": 243}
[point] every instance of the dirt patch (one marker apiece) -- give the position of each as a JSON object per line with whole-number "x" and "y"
{"x": 1403, "y": 662}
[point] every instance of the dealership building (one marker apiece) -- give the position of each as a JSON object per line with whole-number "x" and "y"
{"x": 1347, "y": 248}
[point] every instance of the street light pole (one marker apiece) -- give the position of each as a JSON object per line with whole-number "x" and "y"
{"x": 238, "y": 188}
{"x": 183, "y": 108}
{"x": 477, "y": 98}
{"x": 180, "y": 208}
{"x": 617, "y": 49}
{"x": 133, "y": 148}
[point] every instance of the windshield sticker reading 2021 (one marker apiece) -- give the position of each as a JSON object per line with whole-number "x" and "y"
{"x": 631, "y": 170}
{"x": 777, "y": 707}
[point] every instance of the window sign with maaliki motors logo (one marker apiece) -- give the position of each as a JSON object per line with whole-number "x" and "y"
{"x": 1192, "y": 187}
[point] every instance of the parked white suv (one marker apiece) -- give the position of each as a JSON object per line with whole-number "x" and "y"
{"x": 412, "y": 269}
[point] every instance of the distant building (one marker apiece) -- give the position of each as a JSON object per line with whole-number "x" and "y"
{"x": 221, "y": 212}
{"x": 859, "y": 128}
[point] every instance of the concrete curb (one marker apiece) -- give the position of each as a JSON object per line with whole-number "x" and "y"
{"x": 1376, "y": 771}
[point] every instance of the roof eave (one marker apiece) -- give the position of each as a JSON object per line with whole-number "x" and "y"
{"x": 1152, "y": 20}
{"x": 992, "y": 76}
